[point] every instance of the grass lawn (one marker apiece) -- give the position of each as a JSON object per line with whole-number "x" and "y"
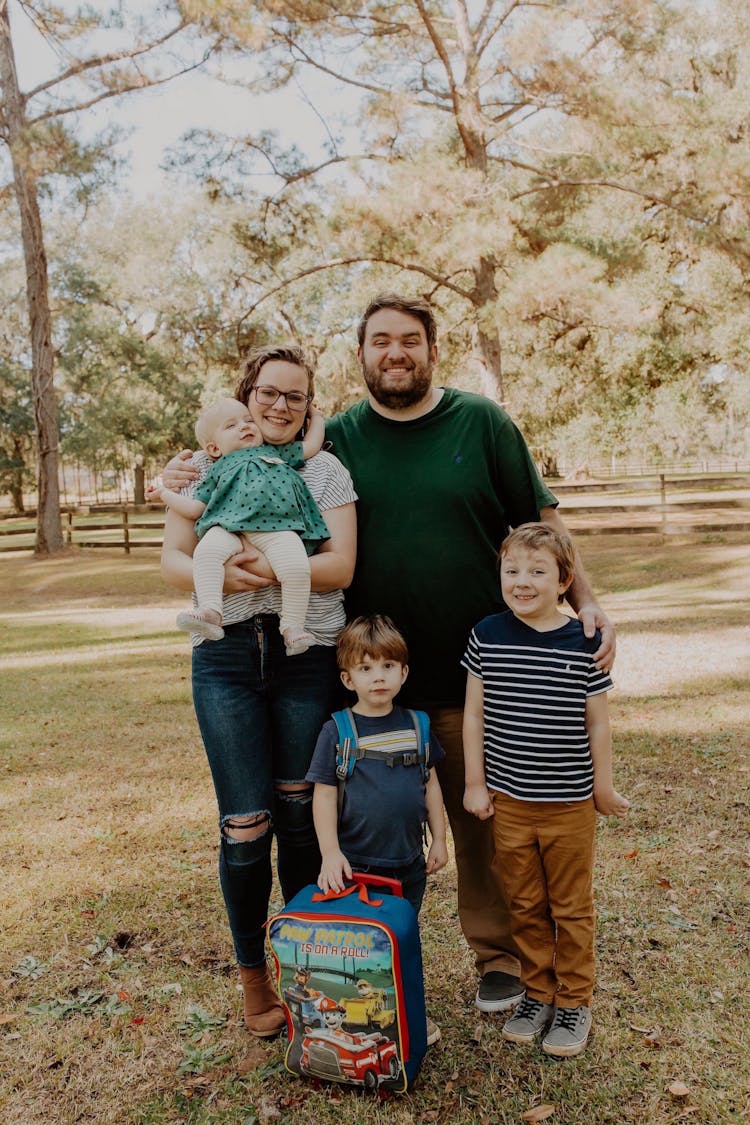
{"x": 120, "y": 1000}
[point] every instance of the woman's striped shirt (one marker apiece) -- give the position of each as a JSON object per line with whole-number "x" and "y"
{"x": 331, "y": 487}
{"x": 535, "y": 685}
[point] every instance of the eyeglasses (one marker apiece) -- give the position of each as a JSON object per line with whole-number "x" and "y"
{"x": 296, "y": 401}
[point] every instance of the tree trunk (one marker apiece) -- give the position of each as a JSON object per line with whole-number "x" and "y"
{"x": 468, "y": 113}
{"x": 490, "y": 350}
{"x": 49, "y": 536}
{"x": 16, "y": 480}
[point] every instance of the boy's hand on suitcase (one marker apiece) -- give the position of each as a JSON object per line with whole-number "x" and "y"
{"x": 477, "y": 800}
{"x": 334, "y": 871}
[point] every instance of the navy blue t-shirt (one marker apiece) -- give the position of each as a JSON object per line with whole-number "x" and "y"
{"x": 384, "y": 806}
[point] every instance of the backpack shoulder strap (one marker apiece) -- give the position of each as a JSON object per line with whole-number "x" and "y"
{"x": 421, "y": 722}
{"x": 346, "y": 750}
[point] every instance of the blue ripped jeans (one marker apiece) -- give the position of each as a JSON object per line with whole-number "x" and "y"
{"x": 260, "y": 713}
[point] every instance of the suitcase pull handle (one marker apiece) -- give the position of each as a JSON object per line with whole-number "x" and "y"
{"x": 361, "y": 890}
{"x": 368, "y": 880}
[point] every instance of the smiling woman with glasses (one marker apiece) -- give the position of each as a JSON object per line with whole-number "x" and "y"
{"x": 260, "y": 711}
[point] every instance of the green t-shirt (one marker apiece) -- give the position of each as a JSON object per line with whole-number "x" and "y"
{"x": 437, "y": 495}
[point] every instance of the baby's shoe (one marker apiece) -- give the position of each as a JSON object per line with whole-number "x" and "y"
{"x": 196, "y": 622}
{"x": 297, "y": 640}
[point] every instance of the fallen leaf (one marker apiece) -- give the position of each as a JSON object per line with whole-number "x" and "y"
{"x": 715, "y": 834}
{"x": 254, "y": 1057}
{"x": 538, "y": 1113}
{"x": 642, "y": 1030}
{"x": 664, "y": 883}
{"x": 137, "y": 1021}
{"x": 678, "y": 1089}
{"x": 87, "y": 914}
{"x": 5, "y": 1018}
{"x": 477, "y": 1033}
{"x": 195, "y": 1086}
{"x": 268, "y": 1110}
{"x": 631, "y": 855}
{"x": 688, "y": 1111}
{"x": 123, "y": 995}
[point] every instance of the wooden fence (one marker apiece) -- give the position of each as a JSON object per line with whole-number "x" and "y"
{"x": 658, "y": 504}
{"x": 119, "y": 528}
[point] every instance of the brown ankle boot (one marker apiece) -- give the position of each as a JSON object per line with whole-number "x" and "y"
{"x": 264, "y": 1013}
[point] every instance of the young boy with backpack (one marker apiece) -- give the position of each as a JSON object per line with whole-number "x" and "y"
{"x": 375, "y": 787}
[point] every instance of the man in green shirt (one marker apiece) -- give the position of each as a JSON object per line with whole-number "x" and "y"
{"x": 442, "y": 475}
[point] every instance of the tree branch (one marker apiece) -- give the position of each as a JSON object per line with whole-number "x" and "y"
{"x": 380, "y": 91}
{"x": 336, "y": 263}
{"x": 553, "y": 184}
{"x": 437, "y": 43}
{"x": 83, "y": 65}
{"x": 143, "y": 84}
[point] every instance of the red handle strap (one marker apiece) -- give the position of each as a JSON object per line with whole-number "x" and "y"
{"x": 320, "y": 896}
{"x": 393, "y": 885}
{"x": 363, "y": 880}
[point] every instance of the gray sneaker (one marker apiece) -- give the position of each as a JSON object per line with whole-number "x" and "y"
{"x": 530, "y": 1019}
{"x": 498, "y": 992}
{"x": 569, "y": 1032}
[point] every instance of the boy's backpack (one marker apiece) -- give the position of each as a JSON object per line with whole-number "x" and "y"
{"x": 349, "y": 972}
{"x": 349, "y": 751}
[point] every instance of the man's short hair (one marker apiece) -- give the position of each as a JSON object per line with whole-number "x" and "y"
{"x": 375, "y": 636}
{"x": 256, "y": 358}
{"x": 413, "y": 306}
{"x": 535, "y": 536}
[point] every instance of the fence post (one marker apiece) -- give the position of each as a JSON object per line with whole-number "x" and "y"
{"x": 69, "y": 528}
{"x": 126, "y": 531}
{"x": 663, "y": 500}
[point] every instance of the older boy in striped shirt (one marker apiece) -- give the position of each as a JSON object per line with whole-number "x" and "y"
{"x": 538, "y": 756}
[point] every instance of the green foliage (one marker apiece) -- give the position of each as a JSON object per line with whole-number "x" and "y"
{"x": 568, "y": 184}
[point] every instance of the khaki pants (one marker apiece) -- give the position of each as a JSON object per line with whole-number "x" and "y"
{"x": 482, "y": 911}
{"x": 545, "y": 851}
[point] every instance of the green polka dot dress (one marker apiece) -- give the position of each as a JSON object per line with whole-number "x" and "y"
{"x": 258, "y": 489}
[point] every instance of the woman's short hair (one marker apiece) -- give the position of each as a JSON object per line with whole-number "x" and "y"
{"x": 256, "y": 358}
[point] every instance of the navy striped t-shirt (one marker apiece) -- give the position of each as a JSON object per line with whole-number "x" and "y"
{"x": 535, "y": 685}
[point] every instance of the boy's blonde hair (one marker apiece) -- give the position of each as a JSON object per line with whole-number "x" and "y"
{"x": 375, "y": 636}
{"x": 207, "y": 418}
{"x": 537, "y": 536}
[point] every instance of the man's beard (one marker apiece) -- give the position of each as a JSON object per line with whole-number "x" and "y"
{"x": 407, "y": 393}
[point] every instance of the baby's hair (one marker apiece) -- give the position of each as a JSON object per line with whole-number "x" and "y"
{"x": 375, "y": 636}
{"x": 537, "y": 536}
{"x": 207, "y": 418}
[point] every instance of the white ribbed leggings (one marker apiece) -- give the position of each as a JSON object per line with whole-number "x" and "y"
{"x": 285, "y": 553}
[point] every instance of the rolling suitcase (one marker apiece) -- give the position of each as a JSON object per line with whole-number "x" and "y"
{"x": 349, "y": 972}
